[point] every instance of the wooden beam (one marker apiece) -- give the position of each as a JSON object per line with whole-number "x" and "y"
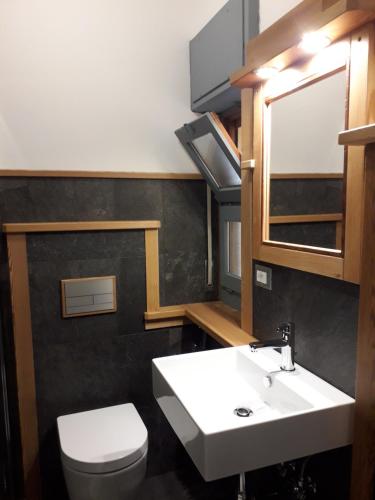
{"x": 361, "y": 96}
{"x": 152, "y": 269}
{"x": 247, "y": 212}
{"x": 94, "y": 174}
{"x": 278, "y": 46}
{"x": 58, "y": 227}
{"x": 363, "y": 469}
{"x": 23, "y": 344}
{"x": 360, "y": 136}
{"x": 220, "y": 321}
{"x": 339, "y": 235}
{"x": 301, "y": 219}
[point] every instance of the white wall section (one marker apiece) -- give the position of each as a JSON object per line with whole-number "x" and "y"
{"x": 96, "y": 84}
{"x": 272, "y": 10}
{"x": 100, "y": 84}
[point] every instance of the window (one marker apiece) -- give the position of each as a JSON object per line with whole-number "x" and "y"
{"x": 234, "y": 248}
{"x": 212, "y": 150}
{"x": 230, "y": 248}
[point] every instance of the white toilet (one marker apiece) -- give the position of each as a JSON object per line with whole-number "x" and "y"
{"x": 103, "y": 452}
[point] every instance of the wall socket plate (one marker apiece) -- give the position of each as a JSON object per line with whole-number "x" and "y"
{"x": 263, "y": 276}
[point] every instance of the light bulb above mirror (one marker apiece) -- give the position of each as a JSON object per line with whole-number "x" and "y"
{"x": 314, "y": 41}
{"x": 266, "y": 72}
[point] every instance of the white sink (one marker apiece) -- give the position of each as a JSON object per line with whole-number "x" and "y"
{"x": 298, "y": 415}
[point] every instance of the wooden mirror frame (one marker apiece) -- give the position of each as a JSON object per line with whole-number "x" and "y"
{"x": 335, "y": 58}
{"x": 337, "y": 264}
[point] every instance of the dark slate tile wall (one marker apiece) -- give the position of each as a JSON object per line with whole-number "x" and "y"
{"x": 325, "y": 312}
{"x": 90, "y": 362}
{"x": 179, "y": 205}
{"x": 86, "y": 363}
{"x": 317, "y": 234}
{"x": 306, "y": 196}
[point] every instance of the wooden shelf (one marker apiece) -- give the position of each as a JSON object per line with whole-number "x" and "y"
{"x": 220, "y": 322}
{"x": 55, "y": 227}
{"x": 360, "y": 136}
{"x": 216, "y": 318}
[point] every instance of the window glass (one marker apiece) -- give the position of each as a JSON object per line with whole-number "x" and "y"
{"x": 216, "y": 161}
{"x": 234, "y": 248}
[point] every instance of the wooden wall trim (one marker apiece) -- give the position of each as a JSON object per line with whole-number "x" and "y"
{"x": 166, "y": 312}
{"x": 22, "y": 333}
{"x": 101, "y": 174}
{"x": 58, "y": 227}
{"x": 363, "y": 468}
{"x": 152, "y": 269}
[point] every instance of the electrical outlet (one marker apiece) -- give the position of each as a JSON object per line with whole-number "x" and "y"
{"x": 263, "y": 276}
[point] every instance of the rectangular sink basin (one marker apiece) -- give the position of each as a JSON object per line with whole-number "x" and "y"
{"x": 298, "y": 415}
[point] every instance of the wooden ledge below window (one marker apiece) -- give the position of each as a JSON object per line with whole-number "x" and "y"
{"x": 218, "y": 320}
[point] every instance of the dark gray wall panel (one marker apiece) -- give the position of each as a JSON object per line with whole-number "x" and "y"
{"x": 325, "y": 312}
{"x": 90, "y": 362}
{"x": 217, "y": 51}
{"x": 220, "y": 43}
{"x": 306, "y": 196}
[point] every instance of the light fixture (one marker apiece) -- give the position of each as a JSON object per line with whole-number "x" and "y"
{"x": 314, "y": 41}
{"x": 266, "y": 72}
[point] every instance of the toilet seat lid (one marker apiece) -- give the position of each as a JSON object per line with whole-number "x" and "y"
{"x": 104, "y": 440}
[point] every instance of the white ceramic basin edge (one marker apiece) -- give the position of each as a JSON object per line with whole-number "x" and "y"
{"x": 299, "y": 415}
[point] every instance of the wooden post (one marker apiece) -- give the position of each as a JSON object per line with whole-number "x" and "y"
{"x": 363, "y": 468}
{"x": 23, "y": 343}
{"x": 247, "y": 212}
{"x": 152, "y": 269}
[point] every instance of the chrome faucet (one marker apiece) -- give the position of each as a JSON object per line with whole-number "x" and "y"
{"x": 286, "y": 343}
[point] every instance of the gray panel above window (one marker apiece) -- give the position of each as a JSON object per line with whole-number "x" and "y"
{"x": 217, "y": 51}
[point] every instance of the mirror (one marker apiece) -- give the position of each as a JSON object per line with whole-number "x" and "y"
{"x": 305, "y": 166}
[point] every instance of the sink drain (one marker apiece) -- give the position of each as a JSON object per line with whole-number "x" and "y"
{"x": 243, "y": 412}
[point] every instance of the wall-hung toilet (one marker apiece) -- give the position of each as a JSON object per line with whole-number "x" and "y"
{"x": 103, "y": 452}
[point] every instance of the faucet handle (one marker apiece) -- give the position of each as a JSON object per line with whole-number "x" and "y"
{"x": 287, "y": 331}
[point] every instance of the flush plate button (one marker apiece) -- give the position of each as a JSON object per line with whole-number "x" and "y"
{"x": 87, "y": 296}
